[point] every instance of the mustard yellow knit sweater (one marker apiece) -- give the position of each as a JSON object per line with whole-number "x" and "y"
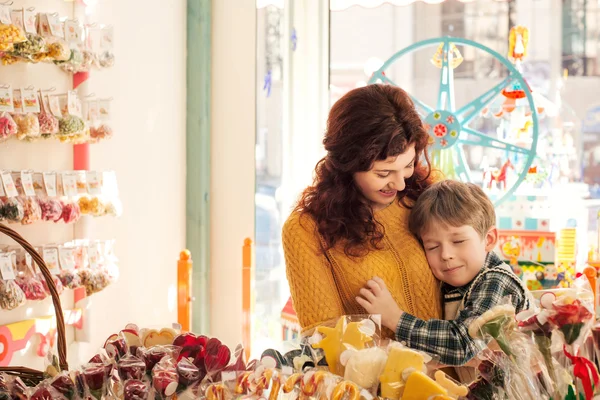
{"x": 313, "y": 277}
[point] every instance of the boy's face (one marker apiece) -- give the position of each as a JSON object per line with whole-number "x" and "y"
{"x": 456, "y": 254}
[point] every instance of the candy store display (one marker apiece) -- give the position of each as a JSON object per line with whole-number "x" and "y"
{"x": 82, "y": 263}
{"x": 29, "y": 115}
{"x": 539, "y": 353}
{"x": 27, "y": 197}
{"x": 31, "y": 37}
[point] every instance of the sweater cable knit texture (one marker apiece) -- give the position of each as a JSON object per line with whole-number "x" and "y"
{"x": 324, "y": 287}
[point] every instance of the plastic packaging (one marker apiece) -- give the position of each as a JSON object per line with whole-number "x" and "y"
{"x": 31, "y": 210}
{"x": 165, "y": 379}
{"x": 12, "y": 210}
{"x": 11, "y": 295}
{"x": 8, "y": 126}
{"x": 70, "y": 211}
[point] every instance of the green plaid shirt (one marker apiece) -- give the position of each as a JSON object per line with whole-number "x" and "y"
{"x": 450, "y": 340}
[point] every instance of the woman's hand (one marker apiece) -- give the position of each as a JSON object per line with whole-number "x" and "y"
{"x": 375, "y": 298}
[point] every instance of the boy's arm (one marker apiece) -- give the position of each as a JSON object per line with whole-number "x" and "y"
{"x": 450, "y": 340}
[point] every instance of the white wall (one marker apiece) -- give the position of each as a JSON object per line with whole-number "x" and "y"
{"x": 148, "y": 155}
{"x": 147, "y": 152}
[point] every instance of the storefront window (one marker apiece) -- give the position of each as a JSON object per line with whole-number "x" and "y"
{"x": 270, "y": 286}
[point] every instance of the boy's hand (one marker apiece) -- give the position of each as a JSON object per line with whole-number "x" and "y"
{"x": 375, "y": 298}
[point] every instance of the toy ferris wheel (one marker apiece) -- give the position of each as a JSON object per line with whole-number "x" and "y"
{"x": 450, "y": 128}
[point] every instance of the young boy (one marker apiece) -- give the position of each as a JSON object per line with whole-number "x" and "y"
{"x": 455, "y": 223}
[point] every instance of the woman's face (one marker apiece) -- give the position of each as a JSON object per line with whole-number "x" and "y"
{"x": 386, "y": 178}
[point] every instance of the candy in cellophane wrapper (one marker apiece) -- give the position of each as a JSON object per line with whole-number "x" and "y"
{"x": 64, "y": 385}
{"x": 9, "y": 32}
{"x": 8, "y": 126}
{"x": 11, "y": 295}
{"x": 164, "y": 379}
{"x": 99, "y": 119}
{"x": 346, "y": 334}
{"x": 96, "y": 380}
{"x": 47, "y": 120}
{"x": 519, "y": 364}
{"x": 12, "y": 210}
{"x": 45, "y": 191}
{"x": 45, "y": 391}
{"x": 27, "y": 279}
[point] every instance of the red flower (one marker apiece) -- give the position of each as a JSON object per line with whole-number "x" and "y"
{"x": 570, "y": 314}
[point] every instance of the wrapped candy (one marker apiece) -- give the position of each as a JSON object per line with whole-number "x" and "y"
{"x": 58, "y": 50}
{"x": 31, "y": 210}
{"x": 45, "y": 391}
{"x": 33, "y": 45}
{"x": 94, "y": 281}
{"x": 48, "y": 123}
{"x": 89, "y": 60}
{"x": 32, "y": 287}
{"x": 8, "y": 126}
{"x": 70, "y": 125}
{"x": 95, "y": 378}
{"x": 12, "y": 210}
{"x": 164, "y": 379}
{"x": 91, "y": 206}
{"x": 10, "y": 34}
{"x": 28, "y": 125}
{"x": 64, "y": 385}
{"x": 51, "y": 209}
{"x": 135, "y": 390}
{"x": 131, "y": 367}
{"x": 188, "y": 374}
{"x": 69, "y": 279}
{"x": 70, "y": 212}
{"x": 11, "y": 295}
{"x": 103, "y": 131}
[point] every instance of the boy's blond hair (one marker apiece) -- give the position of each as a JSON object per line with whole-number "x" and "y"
{"x": 452, "y": 203}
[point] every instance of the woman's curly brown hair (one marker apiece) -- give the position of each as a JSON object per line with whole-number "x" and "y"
{"x": 367, "y": 124}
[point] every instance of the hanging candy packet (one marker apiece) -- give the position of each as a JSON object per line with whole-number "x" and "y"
{"x": 27, "y": 279}
{"x": 50, "y": 256}
{"x": 103, "y": 130}
{"x": 11, "y": 295}
{"x": 74, "y": 38}
{"x": 45, "y": 189}
{"x": 68, "y": 275}
{"x": 8, "y": 126}
{"x": 12, "y": 210}
{"x": 35, "y": 44}
{"x": 9, "y": 32}
{"x": 71, "y": 123}
{"x": 106, "y": 59}
{"x": 47, "y": 120}
{"x": 31, "y": 208}
{"x": 97, "y": 114}
{"x": 52, "y": 30}
{"x": 90, "y": 58}
{"x": 29, "y": 124}
{"x": 68, "y": 186}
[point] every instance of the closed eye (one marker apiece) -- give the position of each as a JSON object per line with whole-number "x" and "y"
{"x": 459, "y": 241}
{"x": 431, "y": 248}
{"x": 383, "y": 175}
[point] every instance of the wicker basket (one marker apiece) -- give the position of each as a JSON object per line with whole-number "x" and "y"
{"x": 30, "y": 376}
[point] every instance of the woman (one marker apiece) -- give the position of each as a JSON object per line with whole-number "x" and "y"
{"x": 352, "y": 223}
